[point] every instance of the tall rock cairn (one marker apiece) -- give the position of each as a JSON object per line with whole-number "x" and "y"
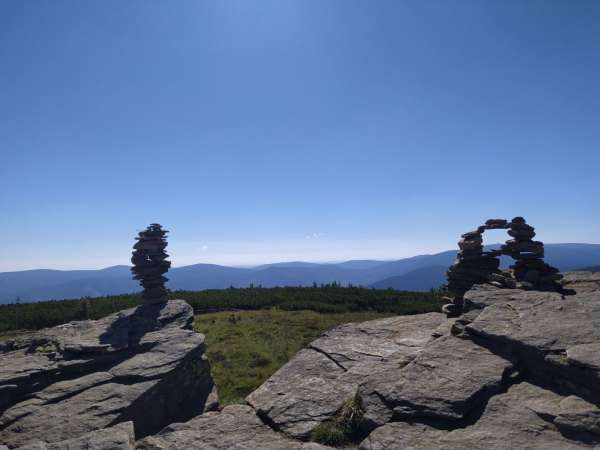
{"x": 149, "y": 263}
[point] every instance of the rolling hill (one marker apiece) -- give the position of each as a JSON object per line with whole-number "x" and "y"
{"x": 421, "y": 279}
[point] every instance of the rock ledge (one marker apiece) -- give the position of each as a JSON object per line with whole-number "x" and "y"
{"x": 145, "y": 365}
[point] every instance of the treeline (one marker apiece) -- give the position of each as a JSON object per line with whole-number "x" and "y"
{"x": 33, "y": 316}
{"x": 325, "y": 299}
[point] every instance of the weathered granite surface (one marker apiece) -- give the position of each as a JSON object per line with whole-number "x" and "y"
{"x": 235, "y": 427}
{"x": 449, "y": 378}
{"x": 119, "y": 437}
{"x": 525, "y": 417}
{"x": 582, "y": 281}
{"x": 313, "y": 386}
{"x": 144, "y": 365}
{"x": 555, "y": 337}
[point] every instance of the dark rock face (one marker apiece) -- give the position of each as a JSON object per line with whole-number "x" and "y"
{"x": 149, "y": 263}
{"x": 474, "y": 266}
{"x": 144, "y": 365}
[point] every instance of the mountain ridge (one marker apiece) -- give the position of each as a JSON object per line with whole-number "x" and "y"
{"x": 47, "y": 284}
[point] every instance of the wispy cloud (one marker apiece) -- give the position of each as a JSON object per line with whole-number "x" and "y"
{"x": 314, "y": 236}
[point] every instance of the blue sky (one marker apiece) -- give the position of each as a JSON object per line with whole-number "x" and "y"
{"x": 261, "y": 131}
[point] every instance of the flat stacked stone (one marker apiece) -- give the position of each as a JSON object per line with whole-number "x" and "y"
{"x": 149, "y": 263}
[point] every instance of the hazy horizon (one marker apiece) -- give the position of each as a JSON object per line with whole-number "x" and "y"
{"x": 290, "y": 259}
{"x": 295, "y": 130}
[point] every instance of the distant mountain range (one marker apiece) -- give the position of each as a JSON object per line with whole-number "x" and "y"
{"x": 418, "y": 273}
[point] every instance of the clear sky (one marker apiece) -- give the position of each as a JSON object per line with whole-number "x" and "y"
{"x": 320, "y": 130}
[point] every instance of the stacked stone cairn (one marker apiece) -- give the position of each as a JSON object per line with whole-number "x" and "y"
{"x": 530, "y": 270}
{"x": 150, "y": 265}
{"x": 474, "y": 266}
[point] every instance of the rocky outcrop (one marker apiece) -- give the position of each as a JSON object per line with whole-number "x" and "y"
{"x": 556, "y": 338}
{"x": 314, "y": 385}
{"x": 143, "y": 365}
{"x": 550, "y": 400}
{"x": 520, "y": 369}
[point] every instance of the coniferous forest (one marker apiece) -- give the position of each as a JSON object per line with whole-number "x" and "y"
{"x": 331, "y": 298}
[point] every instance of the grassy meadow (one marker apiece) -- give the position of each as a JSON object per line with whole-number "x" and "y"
{"x": 245, "y": 348}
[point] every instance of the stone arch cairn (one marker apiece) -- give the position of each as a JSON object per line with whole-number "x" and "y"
{"x": 475, "y": 266}
{"x": 150, "y": 265}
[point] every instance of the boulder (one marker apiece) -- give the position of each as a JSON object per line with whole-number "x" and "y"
{"x": 314, "y": 385}
{"x": 235, "y": 427}
{"x": 144, "y": 365}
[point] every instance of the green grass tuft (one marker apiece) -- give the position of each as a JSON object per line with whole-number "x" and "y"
{"x": 346, "y": 427}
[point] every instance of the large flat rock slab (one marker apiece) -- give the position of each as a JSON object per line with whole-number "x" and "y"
{"x": 554, "y": 336}
{"x": 235, "y": 427}
{"x": 525, "y": 417}
{"x": 313, "y": 386}
{"x": 447, "y": 380}
{"x": 144, "y": 365}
